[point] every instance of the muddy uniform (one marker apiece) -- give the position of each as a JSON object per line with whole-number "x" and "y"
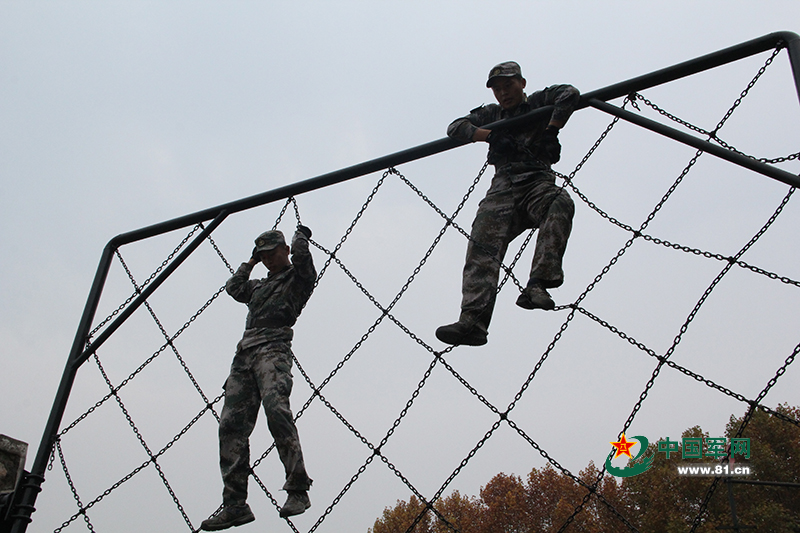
{"x": 522, "y": 195}
{"x": 261, "y": 371}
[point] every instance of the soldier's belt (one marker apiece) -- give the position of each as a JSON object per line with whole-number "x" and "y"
{"x": 518, "y": 167}
{"x": 268, "y": 323}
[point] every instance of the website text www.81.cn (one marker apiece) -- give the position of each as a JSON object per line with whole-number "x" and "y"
{"x": 715, "y": 469}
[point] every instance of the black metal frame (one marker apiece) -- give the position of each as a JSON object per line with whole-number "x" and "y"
{"x": 80, "y": 353}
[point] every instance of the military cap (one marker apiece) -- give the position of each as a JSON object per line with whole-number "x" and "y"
{"x": 269, "y": 240}
{"x": 509, "y": 69}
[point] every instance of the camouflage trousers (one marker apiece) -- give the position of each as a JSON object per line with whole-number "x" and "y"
{"x": 513, "y": 204}
{"x": 260, "y": 375}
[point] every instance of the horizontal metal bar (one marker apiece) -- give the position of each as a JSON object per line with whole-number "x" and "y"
{"x": 700, "y": 64}
{"x": 700, "y": 144}
{"x": 617, "y": 90}
{"x": 280, "y": 193}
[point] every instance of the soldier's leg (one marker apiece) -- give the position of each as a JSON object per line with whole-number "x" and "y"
{"x": 237, "y": 420}
{"x": 491, "y": 233}
{"x": 551, "y": 209}
{"x": 273, "y": 372}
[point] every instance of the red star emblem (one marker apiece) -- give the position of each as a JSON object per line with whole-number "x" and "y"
{"x": 623, "y": 447}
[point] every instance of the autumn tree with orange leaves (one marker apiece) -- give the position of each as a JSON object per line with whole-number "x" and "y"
{"x": 657, "y": 500}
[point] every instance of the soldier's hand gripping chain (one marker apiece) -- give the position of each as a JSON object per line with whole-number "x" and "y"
{"x": 501, "y": 144}
{"x": 302, "y": 231}
{"x": 305, "y": 230}
{"x": 550, "y": 146}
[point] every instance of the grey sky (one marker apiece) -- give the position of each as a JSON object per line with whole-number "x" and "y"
{"x": 117, "y": 115}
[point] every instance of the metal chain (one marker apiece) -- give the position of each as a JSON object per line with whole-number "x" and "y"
{"x": 502, "y": 416}
{"x": 375, "y": 449}
{"x": 219, "y": 253}
{"x": 684, "y": 327}
{"x": 679, "y": 368}
{"x": 592, "y": 489}
{"x": 72, "y": 484}
{"x": 568, "y": 180}
{"x": 138, "y": 469}
{"x": 289, "y": 200}
{"x": 713, "y": 134}
{"x": 637, "y": 234}
{"x": 384, "y": 313}
{"x": 750, "y": 85}
{"x": 745, "y": 422}
{"x": 349, "y": 229}
{"x": 438, "y": 357}
{"x": 668, "y": 115}
{"x": 170, "y": 340}
{"x": 331, "y": 256}
{"x": 450, "y": 221}
{"x": 684, "y": 248}
{"x": 147, "y": 281}
{"x": 153, "y": 458}
{"x": 158, "y": 352}
{"x": 467, "y": 385}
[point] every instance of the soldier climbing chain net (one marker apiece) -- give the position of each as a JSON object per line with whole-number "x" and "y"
{"x": 438, "y": 358}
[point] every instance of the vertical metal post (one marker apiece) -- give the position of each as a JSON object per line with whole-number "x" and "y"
{"x": 32, "y": 484}
{"x": 793, "y": 48}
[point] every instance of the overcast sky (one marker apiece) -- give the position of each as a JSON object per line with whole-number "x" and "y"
{"x": 118, "y": 115}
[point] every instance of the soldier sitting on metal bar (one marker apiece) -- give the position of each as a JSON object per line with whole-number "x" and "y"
{"x": 522, "y": 195}
{"x": 261, "y": 374}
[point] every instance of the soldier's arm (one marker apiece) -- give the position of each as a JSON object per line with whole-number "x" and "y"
{"x": 239, "y": 286}
{"x": 301, "y": 255}
{"x": 564, "y": 98}
{"x": 469, "y": 128}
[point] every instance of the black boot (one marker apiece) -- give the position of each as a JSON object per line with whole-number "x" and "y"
{"x": 229, "y": 516}
{"x": 461, "y": 333}
{"x": 535, "y": 296}
{"x": 296, "y": 503}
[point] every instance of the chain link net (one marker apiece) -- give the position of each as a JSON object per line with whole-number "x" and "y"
{"x": 504, "y": 414}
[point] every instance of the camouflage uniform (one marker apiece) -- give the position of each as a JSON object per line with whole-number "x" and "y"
{"x": 261, "y": 371}
{"x": 522, "y": 195}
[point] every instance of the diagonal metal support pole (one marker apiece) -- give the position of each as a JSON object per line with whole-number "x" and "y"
{"x": 33, "y": 481}
{"x": 150, "y": 289}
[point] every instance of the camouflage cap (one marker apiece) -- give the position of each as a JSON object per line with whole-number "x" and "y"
{"x": 269, "y": 240}
{"x": 509, "y": 69}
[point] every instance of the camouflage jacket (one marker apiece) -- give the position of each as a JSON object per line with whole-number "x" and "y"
{"x": 274, "y": 302}
{"x": 526, "y": 138}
